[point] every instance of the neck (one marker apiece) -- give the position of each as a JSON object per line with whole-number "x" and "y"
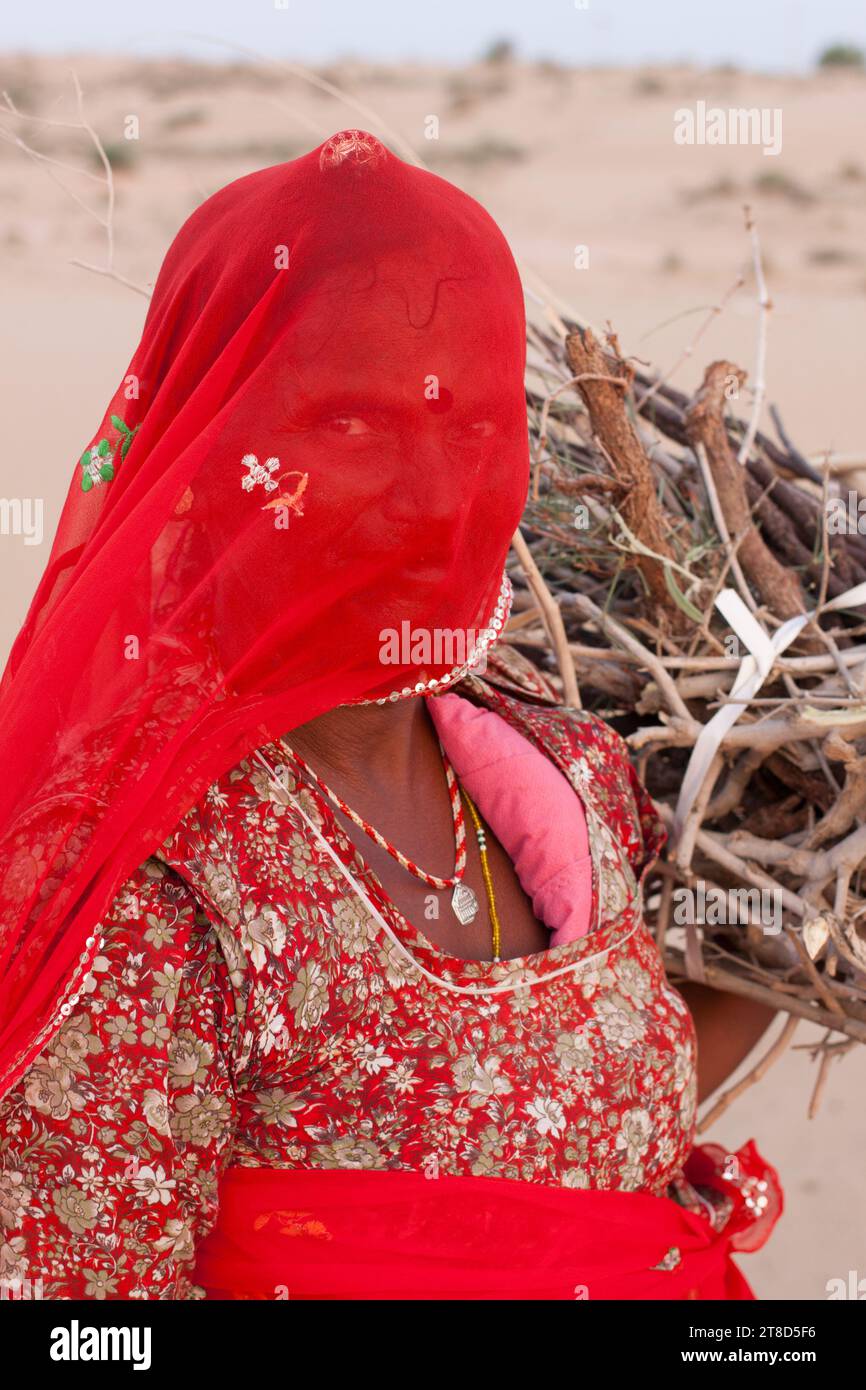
{"x": 364, "y": 744}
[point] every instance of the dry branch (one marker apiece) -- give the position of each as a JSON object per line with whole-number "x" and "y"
{"x": 603, "y": 379}
{"x": 776, "y": 585}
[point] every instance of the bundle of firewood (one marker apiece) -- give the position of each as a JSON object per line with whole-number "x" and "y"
{"x": 687, "y": 577}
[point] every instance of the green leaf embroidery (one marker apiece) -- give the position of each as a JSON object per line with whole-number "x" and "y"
{"x": 124, "y": 448}
{"x": 98, "y": 461}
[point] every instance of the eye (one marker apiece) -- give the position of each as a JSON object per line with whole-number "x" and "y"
{"x": 474, "y": 432}
{"x": 347, "y": 424}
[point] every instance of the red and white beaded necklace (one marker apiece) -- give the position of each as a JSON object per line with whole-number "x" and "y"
{"x": 464, "y": 903}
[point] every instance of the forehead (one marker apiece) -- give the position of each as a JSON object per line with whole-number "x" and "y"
{"x": 384, "y": 327}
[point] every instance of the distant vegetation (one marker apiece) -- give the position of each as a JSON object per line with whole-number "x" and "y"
{"x": 499, "y": 51}
{"x": 842, "y": 55}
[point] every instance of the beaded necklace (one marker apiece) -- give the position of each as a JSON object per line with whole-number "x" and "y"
{"x": 464, "y": 903}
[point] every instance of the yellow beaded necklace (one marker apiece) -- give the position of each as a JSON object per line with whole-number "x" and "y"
{"x": 485, "y": 874}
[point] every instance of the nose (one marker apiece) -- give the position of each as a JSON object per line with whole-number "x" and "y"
{"x": 429, "y": 484}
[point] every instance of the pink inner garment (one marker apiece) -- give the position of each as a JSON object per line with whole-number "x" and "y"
{"x": 529, "y": 805}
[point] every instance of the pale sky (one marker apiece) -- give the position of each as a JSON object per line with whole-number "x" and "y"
{"x": 769, "y": 35}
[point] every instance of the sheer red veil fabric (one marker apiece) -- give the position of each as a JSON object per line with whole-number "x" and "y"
{"x": 321, "y": 436}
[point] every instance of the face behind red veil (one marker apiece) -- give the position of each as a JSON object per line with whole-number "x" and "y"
{"x": 320, "y": 438}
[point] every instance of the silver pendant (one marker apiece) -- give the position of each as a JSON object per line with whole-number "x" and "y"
{"x": 464, "y": 904}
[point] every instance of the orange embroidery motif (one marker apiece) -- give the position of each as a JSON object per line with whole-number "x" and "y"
{"x": 294, "y": 1223}
{"x": 290, "y": 499}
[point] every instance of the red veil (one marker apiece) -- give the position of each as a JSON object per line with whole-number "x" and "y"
{"x": 321, "y": 437}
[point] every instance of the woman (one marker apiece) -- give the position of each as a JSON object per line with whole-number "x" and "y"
{"x": 324, "y": 972}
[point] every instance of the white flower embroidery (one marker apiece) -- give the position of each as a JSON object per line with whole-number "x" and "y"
{"x": 371, "y": 1059}
{"x": 547, "y": 1115}
{"x": 580, "y": 774}
{"x": 153, "y": 1184}
{"x": 97, "y": 469}
{"x": 259, "y": 473}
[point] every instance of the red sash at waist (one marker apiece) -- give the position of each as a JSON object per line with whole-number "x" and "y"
{"x": 350, "y": 1234}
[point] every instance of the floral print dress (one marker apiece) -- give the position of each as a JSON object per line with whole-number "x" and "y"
{"x": 247, "y": 1008}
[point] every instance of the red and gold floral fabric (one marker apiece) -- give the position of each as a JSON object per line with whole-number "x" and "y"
{"x": 248, "y": 1009}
